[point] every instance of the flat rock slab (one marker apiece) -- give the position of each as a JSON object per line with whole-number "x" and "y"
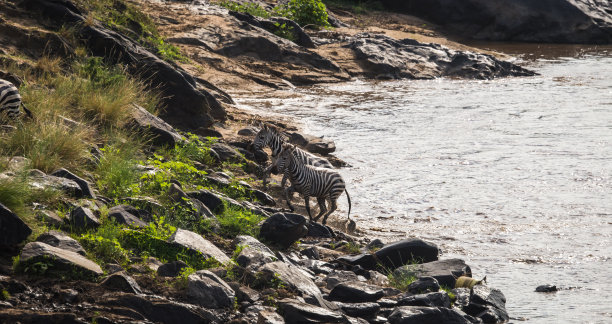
{"x": 356, "y": 292}
{"x": 367, "y": 310}
{"x": 60, "y": 260}
{"x": 84, "y": 185}
{"x": 298, "y": 312}
{"x": 432, "y": 299}
{"x": 208, "y": 290}
{"x": 12, "y": 229}
{"x": 61, "y": 240}
{"x": 253, "y": 252}
{"x": 427, "y": 315}
{"x": 444, "y": 271}
{"x": 293, "y": 277}
{"x": 39, "y": 180}
{"x": 121, "y": 281}
{"x": 160, "y": 131}
{"x": 196, "y": 242}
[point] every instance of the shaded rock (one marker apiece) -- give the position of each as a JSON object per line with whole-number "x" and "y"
{"x": 194, "y": 241}
{"x": 316, "y": 266}
{"x": 432, "y": 299}
{"x": 444, "y": 271}
{"x": 32, "y": 316}
{"x": 378, "y": 279}
{"x": 112, "y": 268}
{"x": 319, "y": 230}
{"x": 12, "y": 229}
{"x": 12, "y": 286}
{"x": 244, "y": 293}
{"x": 253, "y": 252}
{"x": 57, "y": 260}
{"x": 125, "y": 214}
{"x": 387, "y": 303}
{"x": 427, "y": 315}
{"x": 83, "y": 217}
{"x": 226, "y": 153}
{"x": 61, "y": 240}
{"x": 356, "y": 292}
{"x": 68, "y": 295}
{"x": 122, "y": 282}
{"x": 248, "y": 131}
{"x": 50, "y": 218}
{"x": 284, "y": 228}
{"x": 171, "y": 269}
{"x": 154, "y": 127}
{"x": 388, "y": 58}
{"x": 462, "y": 296}
{"x": 271, "y": 24}
{"x": 313, "y": 144}
{"x": 311, "y": 253}
{"x": 424, "y": 285}
{"x": 84, "y": 185}
{"x": 265, "y": 199}
{"x": 546, "y": 288}
{"x": 488, "y": 304}
{"x": 375, "y": 244}
{"x": 399, "y": 253}
{"x": 293, "y": 277}
{"x": 176, "y": 194}
{"x": 269, "y": 317}
{"x": 367, "y": 310}
{"x": 297, "y": 312}
{"x": 339, "y": 276}
{"x": 208, "y": 290}
{"x": 39, "y": 180}
{"x": 208, "y": 198}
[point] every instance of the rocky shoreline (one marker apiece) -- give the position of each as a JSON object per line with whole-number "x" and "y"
{"x": 194, "y": 237}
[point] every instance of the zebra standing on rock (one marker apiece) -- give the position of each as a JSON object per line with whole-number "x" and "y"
{"x": 10, "y": 100}
{"x": 269, "y": 136}
{"x": 308, "y": 180}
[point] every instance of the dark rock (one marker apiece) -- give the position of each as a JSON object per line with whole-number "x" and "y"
{"x": 260, "y": 156}
{"x": 284, "y": 228}
{"x": 360, "y": 271}
{"x": 424, "y": 285}
{"x": 376, "y": 244}
{"x": 171, "y": 269}
{"x": 36, "y": 317}
{"x": 399, "y": 253}
{"x": 265, "y": 199}
{"x": 84, "y": 185}
{"x": 387, "y": 303}
{"x": 244, "y": 293}
{"x": 61, "y": 240}
{"x": 319, "y": 230}
{"x": 339, "y": 276}
{"x": 112, "y": 268}
{"x": 445, "y": 271}
{"x": 386, "y": 57}
{"x": 193, "y": 241}
{"x": 297, "y": 312}
{"x": 292, "y": 276}
{"x": 312, "y": 143}
{"x": 68, "y": 295}
{"x": 432, "y": 299}
{"x": 12, "y": 229}
{"x": 311, "y": 253}
{"x": 367, "y": 310}
{"x": 356, "y": 292}
{"x": 50, "y": 218}
{"x": 271, "y": 25}
{"x": 366, "y": 260}
{"x": 462, "y": 296}
{"x": 227, "y": 153}
{"x": 208, "y": 132}
{"x": 211, "y": 200}
{"x": 125, "y": 214}
{"x": 253, "y": 252}
{"x": 147, "y": 124}
{"x": 176, "y": 194}
{"x": 546, "y": 288}
{"x": 248, "y": 131}
{"x": 57, "y": 260}
{"x": 12, "y": 286}
{"x": 122, "y": 282}
{"x": 548, "y": 21}
{"x": 427, "y": 315}
{"x": 208, "y": 290}
{"x": 40, "y": 180}
{"x": 269, "y": 317}
{"x": 84, "y": 218}
{"x": 316, "y": 266}
{"x": 488, "y": 304}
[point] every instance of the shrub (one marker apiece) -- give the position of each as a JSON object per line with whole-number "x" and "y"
{"x": 117, "y": 170}
{"x": 400, "y": 282}
{"x": 236, "y": 221}
{"x": 305, "y": 12}
{"x": 103, "y": 244}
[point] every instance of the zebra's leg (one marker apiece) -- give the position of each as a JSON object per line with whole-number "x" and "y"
{"x": 322, "y": 208}
{"x": 289, "y": 193}
{"x": 332, "y": 208}
{"x": 307, "y": 204}
{"x": 266, "y": 175}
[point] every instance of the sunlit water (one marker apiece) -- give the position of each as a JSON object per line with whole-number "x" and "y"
{"x": 513, "y": 175}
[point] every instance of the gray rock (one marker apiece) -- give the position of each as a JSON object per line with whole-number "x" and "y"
{"x": 488, "y": 304}
{"x": 127, "y": 215}
{"x": 50, "y": 218}
{"x": 269, "y": 317}
{"x": 84, "y": 185}
{"x": 297, "y": 312}
{"x": 84, "y": 218}
{"x": 208, "y": 198}
{"x": 244, "y": 293}
{"x": 265, "y": 199}
{"x": 61, "y": 240}
{"x": 317, "y": 266}
{"x": 121, "y": 281}
{"x": 319, "y": 230}
{"x": 462, "y": 296}
{"x": 208, "y": 290}
{"x": 227, "y": 153}
{"x": 12, "y": 229}
{"x": 60, "y": 260}
{"x": 150, "y": 125}
{"x": 424, "y": 285}
{"x": 427, "y": 315}
{"x": 339, "y": 276}
{"x": 171, "y": 269}
{"x": 366, "y": 310}
{"x": 311, "y": 253}
{"x": 253, "y": 252}
{"x": 248, "y": 131}
{"x": 432, "y": 299}
{"x": 39, "y": 180}
{"x": 284, "y": 228}
{"x": 292, "y": 276}
{"x": 194, "y": 241}
{"x": 444, "y": 271}
{"x": 176, "y": 194}
{"x": 356, "y": 292}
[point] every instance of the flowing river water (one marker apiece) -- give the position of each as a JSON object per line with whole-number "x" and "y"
{"x": 513, "y": 175}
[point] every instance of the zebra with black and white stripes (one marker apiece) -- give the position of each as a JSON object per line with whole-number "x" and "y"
{"x": 269, "y": 136}
{"x": 311, "y": 181}
{"x": 10, "y": 100}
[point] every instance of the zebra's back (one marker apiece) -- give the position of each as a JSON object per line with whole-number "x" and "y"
{"x": 10, "y": 100}
{"x": 322, "y": 181}
{"x": 311, "y": 159}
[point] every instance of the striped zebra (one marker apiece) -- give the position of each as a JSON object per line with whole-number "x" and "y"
{"x": 10, "y": 100}
{"x": 269, "y": 136}
{"x": 323, "y": 184}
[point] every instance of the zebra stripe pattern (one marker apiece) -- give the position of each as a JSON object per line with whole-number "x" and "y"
{"x": 10, "y": 100}
{"x": 310, "y": 181}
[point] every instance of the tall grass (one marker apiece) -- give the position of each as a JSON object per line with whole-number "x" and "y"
{"x": 117, "y": 171}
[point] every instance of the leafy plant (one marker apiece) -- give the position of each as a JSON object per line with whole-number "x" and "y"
{"x": 284, "y": 31}
{"x": 236, "y": 221}
{"x": 400, "y": 282}
{"x": 305, "y": 12}
{"x": 117, "y": 171}
{"x": 103, "y": 244}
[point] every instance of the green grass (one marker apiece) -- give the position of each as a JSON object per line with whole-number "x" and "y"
{"x": 400, "y": 282}
{"x": 117, "y": 172}
{"x": 235, "y": 221}
{"x": 104, "y": 244}
{"x": 303, "y": 12}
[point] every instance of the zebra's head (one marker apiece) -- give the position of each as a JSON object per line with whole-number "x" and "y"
{"x": 263, "y": 137}
{"x": 285, "y": 157}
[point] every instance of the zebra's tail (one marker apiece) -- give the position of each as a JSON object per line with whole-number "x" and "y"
{"x": 27, "y": 111}
{"x": 349, "y": 202}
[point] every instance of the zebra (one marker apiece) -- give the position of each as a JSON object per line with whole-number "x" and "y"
{"x": 269, "y": 136}
{"x": 308, "y": 180}
{"x": 10, "y": 100}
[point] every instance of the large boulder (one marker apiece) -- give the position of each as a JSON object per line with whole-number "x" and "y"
{"x": 12, "y": 229}
{"x": 284, "y": 228}
{"x": 56, "y": 261}
{"x": 550, "y": 21}
{"x": 444, "y": 271}
{"x": 389, "y": 58}
{"x": 488, "y": 304}
{"x": 427, "y": 315}
{"x": 61, "y": 240}
{"x": 292, "y": 277}
{"x": 83, "y": 184}
{"x": 313, "y": 143}
{"x": 154, "y": 127}
{"x": 193, "y": 241}
{"x": 394, "y": 255}
{"x": 208, "y": 290}
{"x": 297, "y": 312}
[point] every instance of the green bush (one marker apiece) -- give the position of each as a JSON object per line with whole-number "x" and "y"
{"x": 305, "y": 12}
{"x": 117, "y": 171}
{"x": 236, "y": 221}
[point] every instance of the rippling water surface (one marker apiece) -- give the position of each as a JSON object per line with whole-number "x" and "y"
{"x": 513, "y": 175}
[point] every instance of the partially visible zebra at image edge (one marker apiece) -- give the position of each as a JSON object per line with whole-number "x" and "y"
{"x": 269, "y": 136}
{"x": 10, "y": 100}
{"x": 310, "y": 181}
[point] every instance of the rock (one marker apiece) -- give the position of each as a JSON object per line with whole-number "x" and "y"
{"x": 386, "y": 57}
{"x": 248, "y": 131}
{"x": 68, "y": 295}
{"x": 34, "y": 316}
{"x": 424, "y": 285}
{"x": 444, "y": 271}
{"x": 122, "y": 282}
{"x": 112, "y": 268}
{"x": 208, "y": 290}
{"x": 313, "y": 144}
{"x": 339, "y": 276}
{"x": 12, "y": 229}
{"x": 13, "y": 286}
{"x": 84, "y": 218}
{"x": 488, "y": 304}
{"x": 269, "y": 317}
{"x": 367, "y": 310}
{"x": 317, "y": 267}
{"x": 311, "y": 253}
{"x": 394, "y": 255}
{"x": 271, "y": 24}
{"x": 57, "y": 260}
{"x": 147, "y": 124}
{"x": 253, "y": 252}
{"x": 263, "y": 197}
{"x": 293, "y": 277}
{"x": 375, "y": 244}
{"x": 319, "y": 230}
{"x": 193, "y": 241}
{"x": 50, "y": 218}
{"x": 432, "y": 299}
{"x": 227, "y": 153}
{"x": 84, "y": 185}
{"x": 284, "y": 228}
{"x": 171, "y": 269}
{"x": 211, "y": 200}
{"x": 356, "y": 292}
{"x": 462, "y": 296}
{"x": 427, "y": 315}
{"x": 39, "y": 180}
{"x": 244, "y": 293}
{"x": 546, "y": 288}
{"x": 176, "y": 194}
{"x": 61, "y": 240}
{"x": 552, "y": 21}
{"x": 125, "y": 214}
{"x": 297, "y": 312}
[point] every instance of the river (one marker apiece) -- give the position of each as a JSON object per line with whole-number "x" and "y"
{"x": 513, "y": 175}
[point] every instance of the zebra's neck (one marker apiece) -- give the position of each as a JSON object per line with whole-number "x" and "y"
{"x": 295, "y": 167}
{"x": 275, "y": 143}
